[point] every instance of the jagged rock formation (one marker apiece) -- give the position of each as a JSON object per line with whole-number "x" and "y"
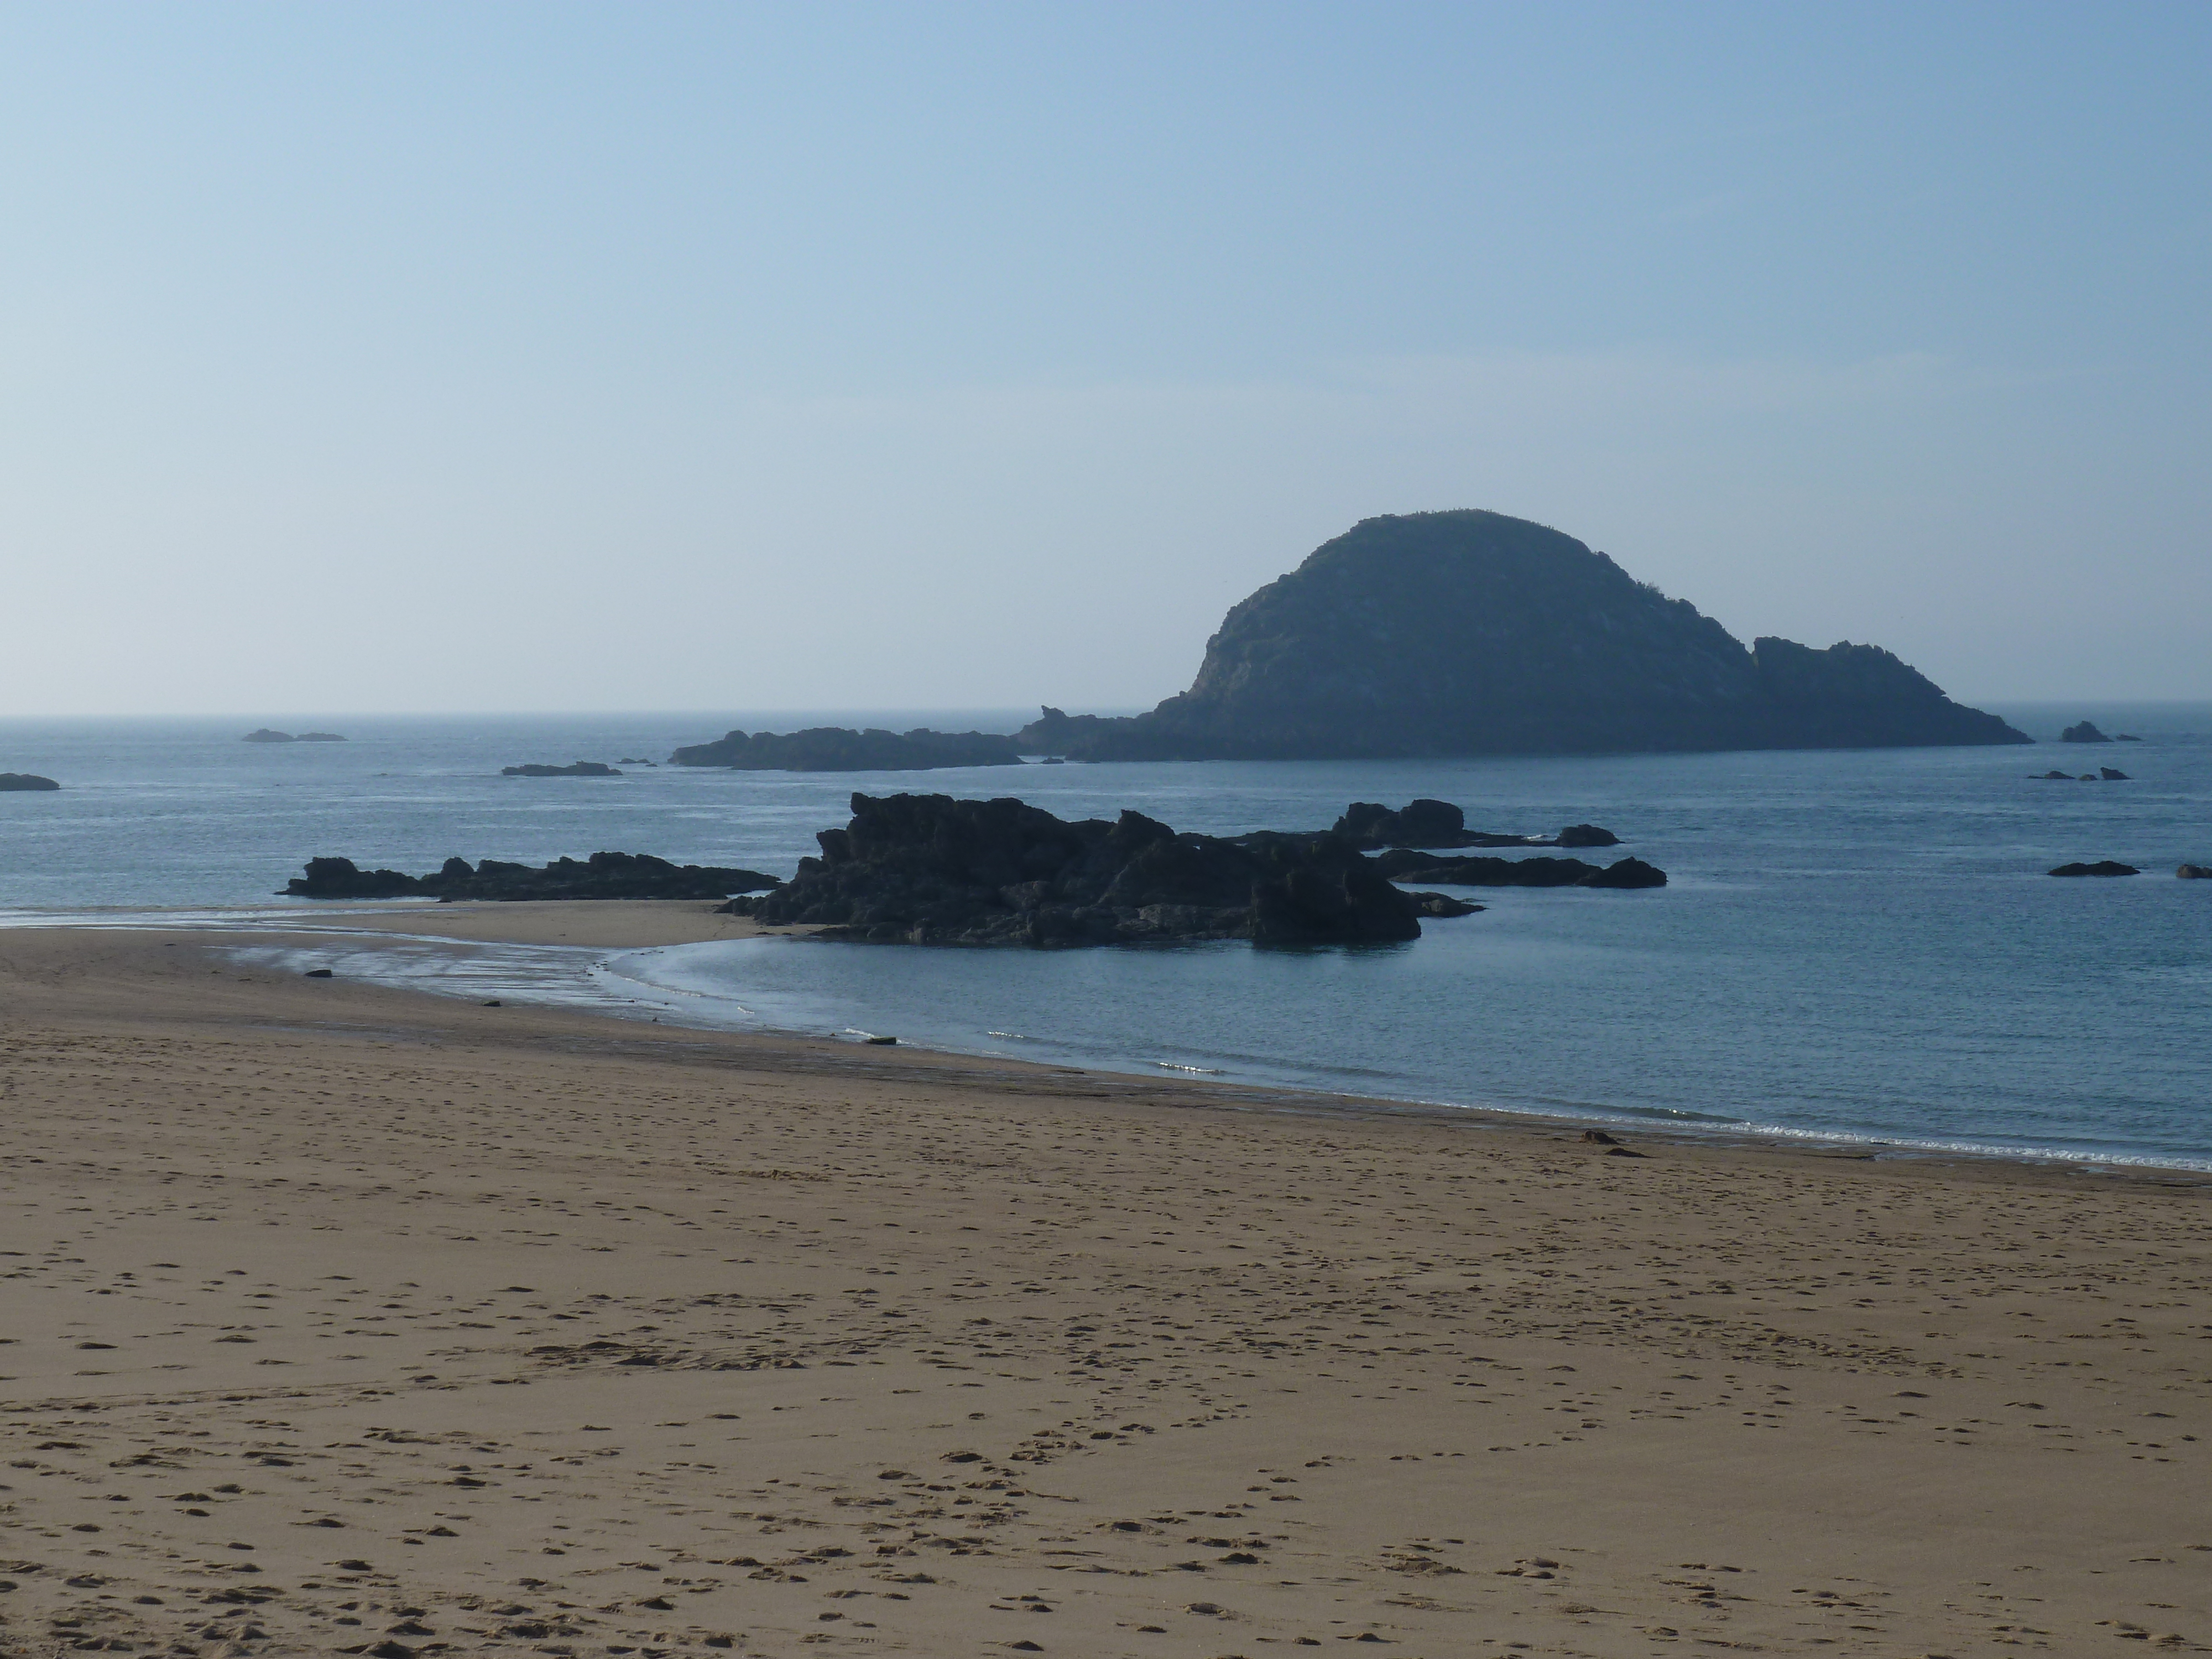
{"x": 2085, "y": 731}
{"x": 602, "y": 876}
{"x": 2102, "y": 868}
{"x": 840, "y": 748}
{"x": 931, "y": 870}
{"x": 26, "y": 780}
{"x": 1440, "y": 823}
{"x": 1404, "y": 864}
{"x": 1470, "y": 632}
{"x": 573, "y": 769}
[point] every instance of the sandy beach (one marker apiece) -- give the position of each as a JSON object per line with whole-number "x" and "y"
{"x": 1116, "y": 1366}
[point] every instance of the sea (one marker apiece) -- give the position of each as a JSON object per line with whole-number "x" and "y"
{"x": 1859, "y": 948}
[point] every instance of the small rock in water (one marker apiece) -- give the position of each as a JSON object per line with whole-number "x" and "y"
{"x": 316, "y": 973}
{"x": 2113, "y": 774}
{"x": 2195, "y": 872}
{"x": 881, "y": 1041}
{"x": 2102, "y": 868}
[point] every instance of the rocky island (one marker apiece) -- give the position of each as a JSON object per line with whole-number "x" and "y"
{"x": 840, "y": 748}
{"x": 31, "y": 781}
{"x": 573, "y": 769}
{"x": 266, "y": 735}
{"x": 602, "y": 876}
{"x": 1471, "y": 632}
{"x": 931, "y": 870}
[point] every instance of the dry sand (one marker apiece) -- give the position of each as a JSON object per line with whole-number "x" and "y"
{"x": 1113, "y": 1366}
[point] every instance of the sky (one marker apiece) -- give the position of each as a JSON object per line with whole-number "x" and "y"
{"x": 520, "y": 356}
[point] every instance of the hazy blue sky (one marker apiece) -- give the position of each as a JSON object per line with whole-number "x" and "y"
{"x": 518, "y": 357}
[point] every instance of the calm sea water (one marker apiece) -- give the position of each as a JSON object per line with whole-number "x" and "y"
{"x": 1860, "y": 945}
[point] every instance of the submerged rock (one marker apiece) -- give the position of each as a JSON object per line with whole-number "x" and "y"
{"x": 573, "y": 769}
{"x": 1440, "y": 823}
{"x": 840, "y": 748}
{"x": 2102, "y": 868}
{"x": 932, "y": 870}
{"x": 26, "y": 780}
{"x": 1404, "y": 864}
{"x": 602, "y": 876}
{"x": 1442, "y": 905}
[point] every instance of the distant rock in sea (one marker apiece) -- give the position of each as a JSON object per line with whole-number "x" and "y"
{"x": 267, "y": 735}
{"x": 602, "y": 876}
{"x": 2085, "y": 731}
{"x": 637, "y": 760}
{"x": 25, "y": 780}
{"x": 1470, "y": 632}
{"x": 840, "y": 748}
{"x": 1440, "y": 823}
{"x": 2102, "y": 868}
{"x": 2195, "y": 872}
{"x": 1404, "y": 864}
{"x": 2112, "y": 774}
{"x": 931, "y": 870}
{"x": 573, "y": 769}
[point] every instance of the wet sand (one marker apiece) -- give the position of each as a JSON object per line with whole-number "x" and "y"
{"x": 1113, "y": 1366}
{"x": 592, "y": 924}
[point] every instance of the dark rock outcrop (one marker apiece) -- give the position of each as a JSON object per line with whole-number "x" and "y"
{"x": 1403, "y": 864}
{"x": 1442, "y": 905}
{"x": 2102, "y": 868}
{"x": 1470, "y": 632}
{"x": 26, "y": 780}
{"x": 2195, "y": 872}
{"x": 2112, "y": 774}
{"x": 931, "y": 870}
{"x": 602, "y": 876}
{"x": 573, "y": 769}
{"x": 839, "y": 748}
{"x": 2085, "y": 731}
{"x": 267, "y": 735}
{"x": 1440, "y": 823}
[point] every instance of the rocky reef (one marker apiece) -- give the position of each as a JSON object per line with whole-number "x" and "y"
{"x": 1471, "y": 632}
{"x": 1440, "y": 823}
{"x": 26, "y": 780}
{"x": 2102, "y": 868}
{"x": 1406, "y": 864}
{"x": 573, "y": 769}
{"x": 840, "y": 748}
{"x": 931, "y": 870}
{"x": 602, "y": 876}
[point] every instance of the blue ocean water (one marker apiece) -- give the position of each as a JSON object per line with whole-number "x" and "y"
{"x": 1858, "y": 944}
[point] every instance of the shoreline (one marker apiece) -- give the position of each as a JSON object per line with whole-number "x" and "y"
{"x": 623, "y": 926}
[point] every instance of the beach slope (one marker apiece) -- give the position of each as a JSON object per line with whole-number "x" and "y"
{"x": 342, "y": 1319}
